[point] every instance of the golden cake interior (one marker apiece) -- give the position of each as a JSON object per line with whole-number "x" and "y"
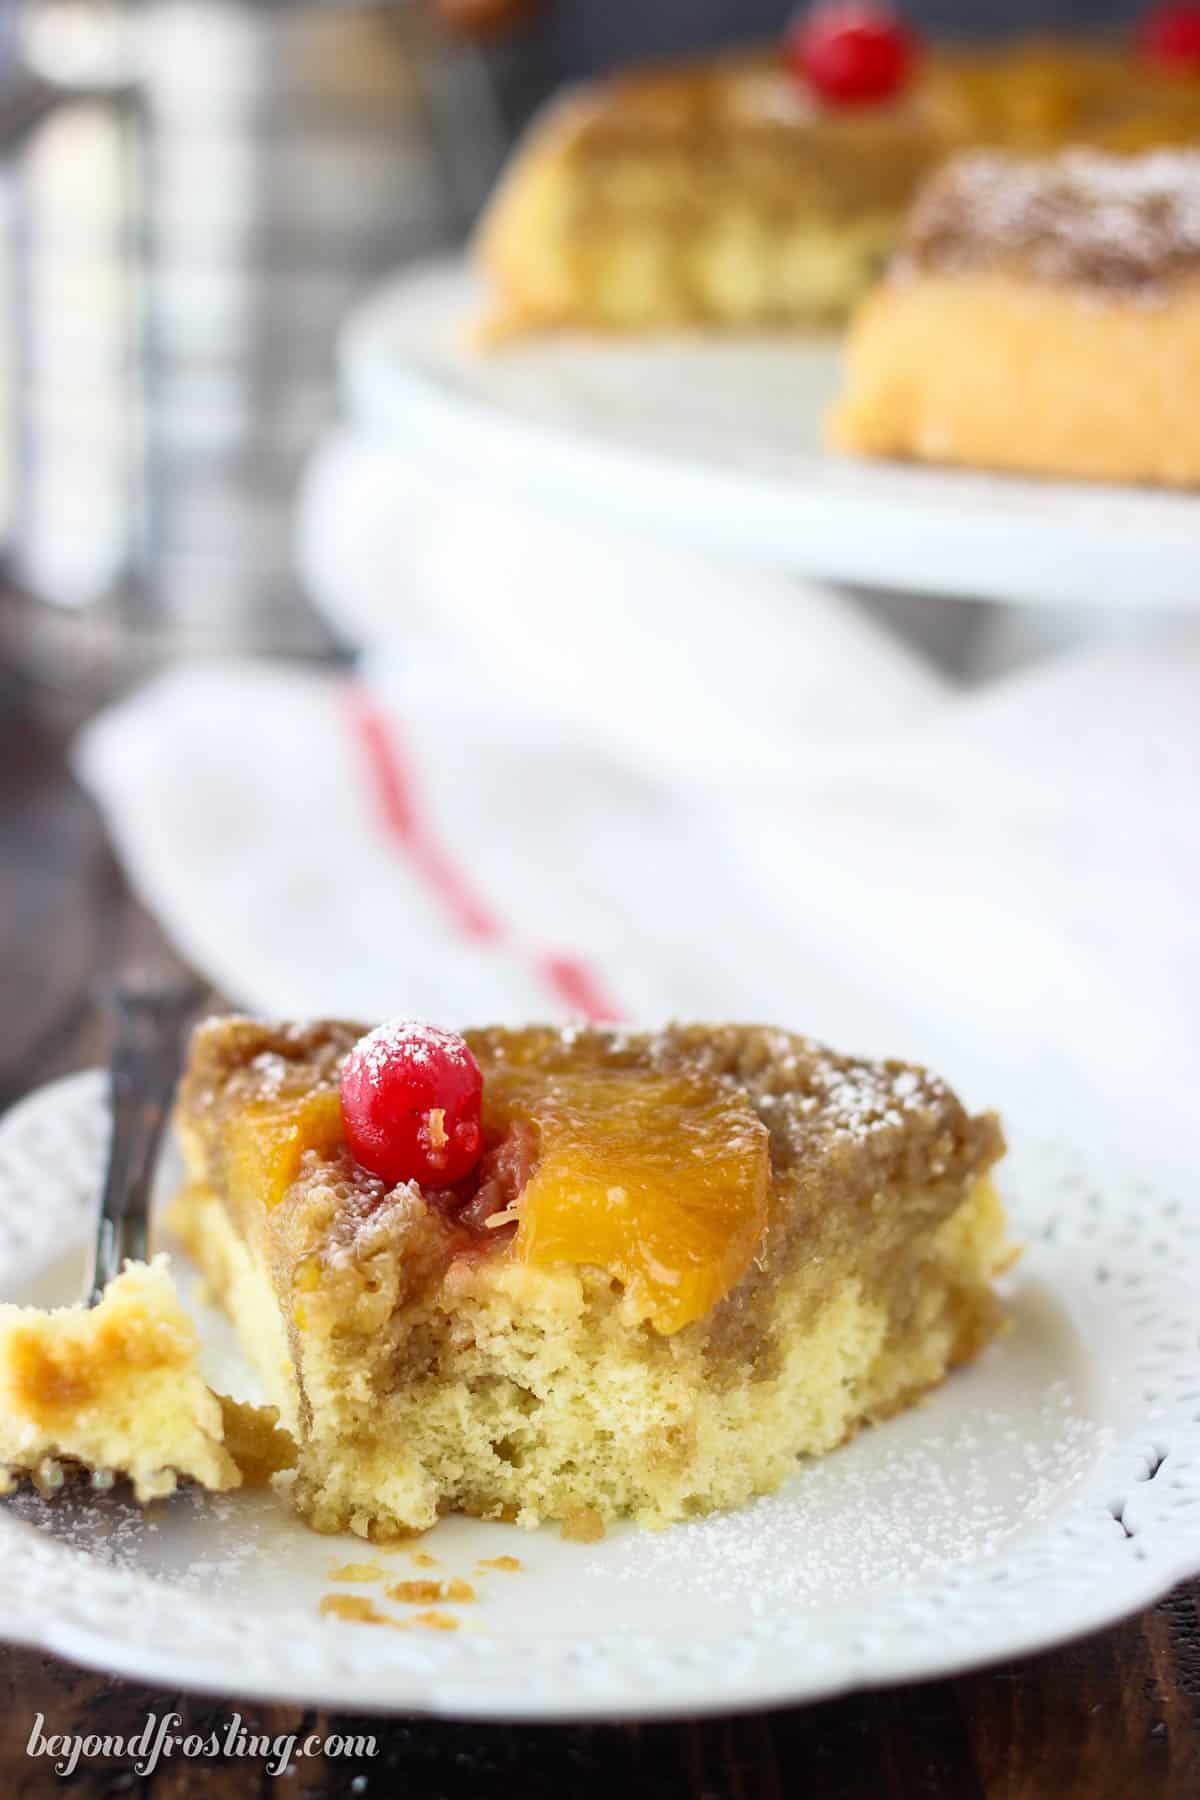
{"x": 686, "y": 1259}
{"x": 722, "y": 194}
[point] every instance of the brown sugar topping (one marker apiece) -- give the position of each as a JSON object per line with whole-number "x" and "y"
{"x": 46, "y": 1384}
{"x": 52, "y": 1378}
{"x": 838, "y": 1132}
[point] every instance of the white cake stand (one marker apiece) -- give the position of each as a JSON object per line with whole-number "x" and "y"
{"x": 717, "y": 444}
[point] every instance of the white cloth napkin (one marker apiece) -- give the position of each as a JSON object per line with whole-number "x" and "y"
{"x": 694, "y": 664}
{"x": 1006, "y": 887}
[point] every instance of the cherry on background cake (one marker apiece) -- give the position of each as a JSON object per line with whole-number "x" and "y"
{"x": 579, "y": 1275}
{"x": 767, "y": 189}
{"x": 1044, "y": 317}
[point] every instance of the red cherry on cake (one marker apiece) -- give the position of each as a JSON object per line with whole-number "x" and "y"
{"x": 411, "y": 1101}
{"x": 851, "y": 55}
{"x": 1170, "y": 35}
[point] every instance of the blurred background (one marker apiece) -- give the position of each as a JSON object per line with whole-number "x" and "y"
{"x": 582, "y": 773}
{"x": 193, "y": 195}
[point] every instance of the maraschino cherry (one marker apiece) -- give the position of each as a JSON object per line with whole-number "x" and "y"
{"x": 851, "y": 54}
{"x": 1170, "y": 36}
{"x": 411, "y": 1101}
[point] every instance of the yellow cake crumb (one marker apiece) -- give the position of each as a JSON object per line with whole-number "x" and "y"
{"x": 415, "y": 1593}
{"x": 389, "y": 1534}
{"x": 353, "y": 1571}
{"x": 257, "y": 1442}
{"x": 583, "y": 1526}
{"x": 356, "y": 1607}
{"x": 420, "y": 1593}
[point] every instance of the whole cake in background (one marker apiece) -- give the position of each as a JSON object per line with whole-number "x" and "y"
{"x": 767, "y": 189}
{"x": 579, "y": 1275}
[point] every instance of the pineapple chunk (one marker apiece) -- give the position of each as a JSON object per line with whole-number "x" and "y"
{"x": 267, "y": 1141}
{"x": 661, "y": 1180}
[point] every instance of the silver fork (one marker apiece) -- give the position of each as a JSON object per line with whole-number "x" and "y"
{"x": 149, "y": 1022}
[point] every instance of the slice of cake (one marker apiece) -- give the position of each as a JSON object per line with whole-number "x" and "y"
{"x": 579, "y": 1275}
{"x": 768, "y": 188}
{"x": 1044, "y": 316}
{"x": 116, "y": 1389}
{"x": 718, "y": 195}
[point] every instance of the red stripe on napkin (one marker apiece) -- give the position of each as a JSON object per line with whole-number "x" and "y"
{"x": 393, "y": 785}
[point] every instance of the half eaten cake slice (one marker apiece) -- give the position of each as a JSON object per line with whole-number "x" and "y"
{"x": 627, "y": 1275}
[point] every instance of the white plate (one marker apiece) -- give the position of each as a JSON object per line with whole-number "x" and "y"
{"x": 1045, "y": 1491}
{"x": 718, "y": 444}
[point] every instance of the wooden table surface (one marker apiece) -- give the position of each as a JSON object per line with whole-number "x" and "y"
{"x": 1115, "y": 1715}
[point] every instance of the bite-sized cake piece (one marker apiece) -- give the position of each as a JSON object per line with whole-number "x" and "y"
{"x": 768, "y": 188}
{"x": 627, "y": 1275}
{"x": 117, "y": 1389}
{"x": 1045, "y": 317}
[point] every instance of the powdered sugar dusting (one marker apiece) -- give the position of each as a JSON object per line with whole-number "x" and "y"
{"x": 112, "y": 1529}
{"x": 871, "y": 1515}
{"x": 865, "y": 1097}
{"x": 422, "y": 1046}
{"x": 1114, "y": 221}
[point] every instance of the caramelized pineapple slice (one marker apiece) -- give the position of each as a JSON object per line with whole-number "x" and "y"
{"x": 659, "y": 1179}
{"x": 267, "y": 1141}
